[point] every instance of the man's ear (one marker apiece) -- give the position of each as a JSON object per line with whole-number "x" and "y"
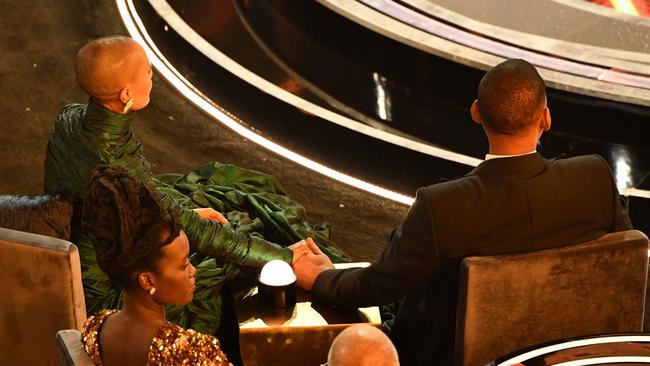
{"x": 125, "y": 94}
{"x": 476, "y": 116}
{"x": 545, "y": 123}
{"x": 146, "y": 280}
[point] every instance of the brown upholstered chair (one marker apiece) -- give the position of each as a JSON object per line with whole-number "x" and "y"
{"x": 44, "y": 215}
{"x": 71, "y": 351}
{"x": 41, "y": 293}
{"x": 510, "y": 302}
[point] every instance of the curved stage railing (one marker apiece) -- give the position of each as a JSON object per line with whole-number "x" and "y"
{"x": 548, "y": 33}
{"x": 345, "y": 101}
{"x": 610, "y": 349}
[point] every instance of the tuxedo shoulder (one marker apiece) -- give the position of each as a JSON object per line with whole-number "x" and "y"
{"x": 457, "y": 184}
{"x": 584, "y": 161}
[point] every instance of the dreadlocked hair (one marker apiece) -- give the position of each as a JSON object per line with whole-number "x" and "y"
{"x": 126, "y": 223}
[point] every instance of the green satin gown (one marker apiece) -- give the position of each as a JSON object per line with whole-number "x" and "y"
{"x": 262, "y": 219}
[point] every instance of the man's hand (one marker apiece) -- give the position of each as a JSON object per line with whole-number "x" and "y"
{"x": 210, "y": 214}
{"x": 309, "y": 266}
{"x": 299, "y": 249}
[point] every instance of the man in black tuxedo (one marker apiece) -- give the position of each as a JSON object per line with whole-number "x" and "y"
{"x": 515, "y": 201}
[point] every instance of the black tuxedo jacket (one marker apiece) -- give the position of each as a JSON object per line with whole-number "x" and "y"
{"x": 505, "y": 205}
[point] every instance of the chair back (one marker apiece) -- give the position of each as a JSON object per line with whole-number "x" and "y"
{"x": 510, "y": 302}
{"x": 41, "y": 294}
{"x": 71, "y": 351}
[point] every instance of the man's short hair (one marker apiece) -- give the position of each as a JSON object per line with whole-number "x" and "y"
{"x": 510, "y": 97}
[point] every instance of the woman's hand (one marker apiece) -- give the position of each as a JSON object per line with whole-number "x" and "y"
{"x": 210, "y": 214}
{"x": 299, "y": 249}
{"x": 309, "y": 266}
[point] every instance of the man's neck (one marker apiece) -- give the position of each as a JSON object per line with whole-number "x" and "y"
{"x": 511, "y": 145}
{"x": 512, "y": 149}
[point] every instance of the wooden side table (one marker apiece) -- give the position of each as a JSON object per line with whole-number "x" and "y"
{"x": 298, "y": 336}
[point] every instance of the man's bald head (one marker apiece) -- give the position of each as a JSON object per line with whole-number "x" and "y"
{"x": 106, "y": 65}
{"x": 362, "y": 345}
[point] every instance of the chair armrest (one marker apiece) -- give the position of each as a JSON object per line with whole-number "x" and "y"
{"x": 71, "y": 349}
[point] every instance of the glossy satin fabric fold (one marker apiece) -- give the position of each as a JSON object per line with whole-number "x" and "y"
{"x": 256, "y": 205}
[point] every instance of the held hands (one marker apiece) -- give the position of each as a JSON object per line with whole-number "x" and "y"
{"x": 299, "y": 249}
{"x": 309, "y": 265}
{"x": 210, "y": 214}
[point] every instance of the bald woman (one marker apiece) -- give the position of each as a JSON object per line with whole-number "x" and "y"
{"x": 115, "y": 72}
{"x": 117, "y": 76}
{"x": 362, "y": 345}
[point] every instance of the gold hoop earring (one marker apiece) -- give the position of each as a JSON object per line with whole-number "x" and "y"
{"x": 128, "y": 105}
{"x": 152, "y": 291}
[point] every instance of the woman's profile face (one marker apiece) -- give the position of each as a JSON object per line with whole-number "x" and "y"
{"x": 175, "y": 275}
{"x": 142, "y": 84}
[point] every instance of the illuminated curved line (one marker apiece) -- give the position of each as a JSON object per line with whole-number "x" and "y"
{"x": 635, "y": 192}
{"x": 136, "y": 29}
{"x": 605, "y": 360}
{"x": 500, "y": 49}
{"x": 402, "y": 31}
{"x": 208, "y": 50}
{"x": 333, "y": 101}
{"x": 572, "y": 344}
{"x": 625, "y": 6}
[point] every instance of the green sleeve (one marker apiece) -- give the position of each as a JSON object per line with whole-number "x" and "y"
{"x": 213, "y": 239}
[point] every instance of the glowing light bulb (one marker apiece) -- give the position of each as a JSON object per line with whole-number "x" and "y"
{"x": 277, "y": 273}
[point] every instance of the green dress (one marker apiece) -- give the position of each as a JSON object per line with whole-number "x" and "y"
{"x": 262, "y": 219}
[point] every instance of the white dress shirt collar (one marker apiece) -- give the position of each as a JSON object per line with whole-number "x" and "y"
{"x": 490, "y": 156}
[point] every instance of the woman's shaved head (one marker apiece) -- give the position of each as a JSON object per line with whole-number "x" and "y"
{"x": 106, "y": 65}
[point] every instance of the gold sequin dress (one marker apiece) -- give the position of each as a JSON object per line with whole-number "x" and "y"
{"x": 172, "y": 345}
